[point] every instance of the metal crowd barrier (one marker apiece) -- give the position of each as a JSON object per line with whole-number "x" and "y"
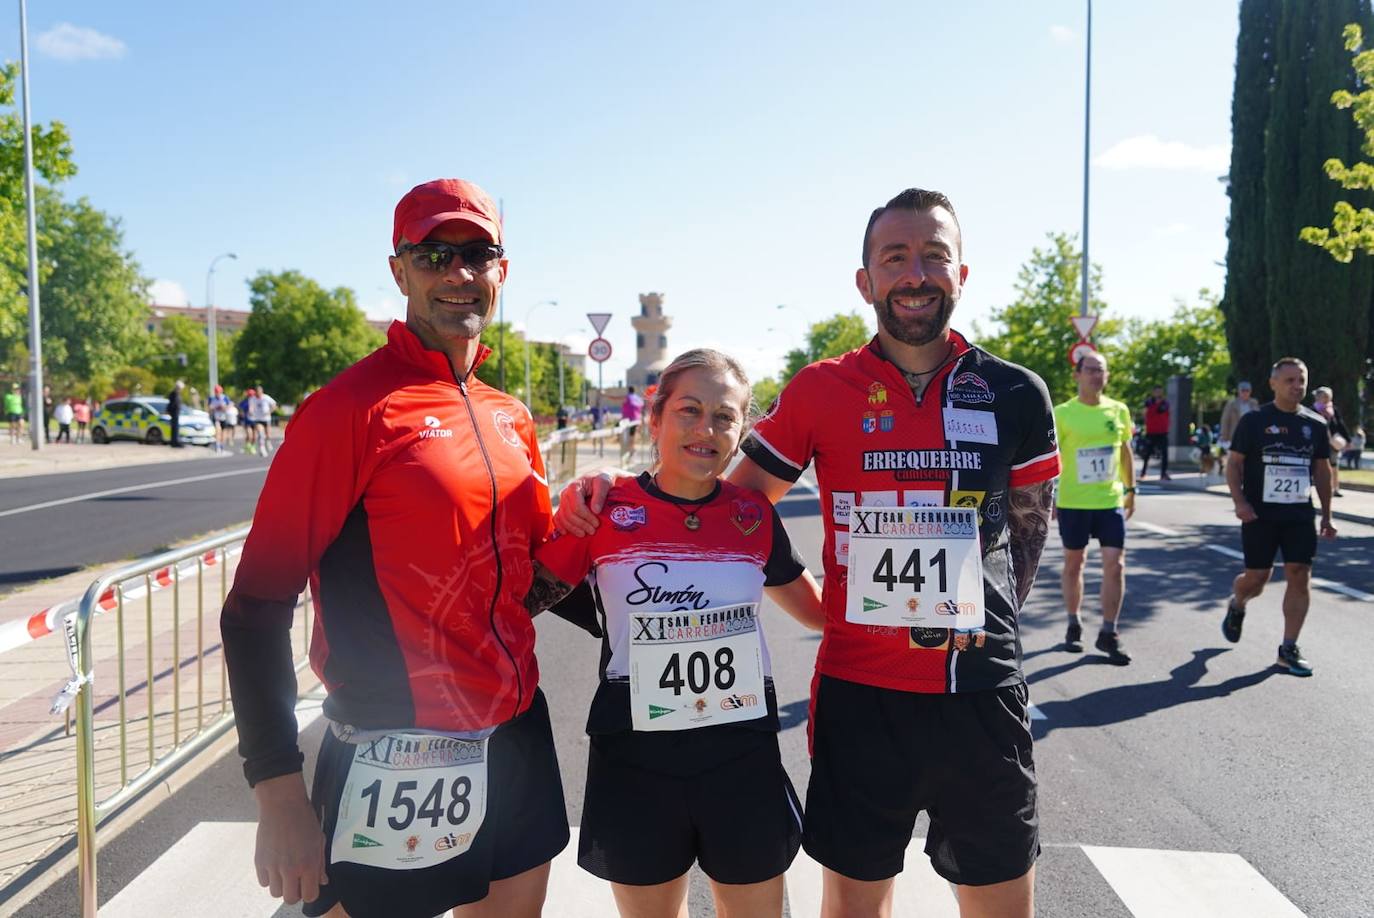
{"x": 560, "y": 449}
{"x": 168, "y": 571}
{"x": 188, "y": 567}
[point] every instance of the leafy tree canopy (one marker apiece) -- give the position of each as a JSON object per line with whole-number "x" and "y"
{"x": 299, "y": 335}
{"x": 1035, "y": 328}
{"x": 1190, "y": 343}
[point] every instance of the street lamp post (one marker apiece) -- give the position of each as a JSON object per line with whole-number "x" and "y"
{"x": 213, "y": 329}
{"x": 38, "y": 422}
{"x": 1087, "y": 116}
{"x": 529, "y": 396}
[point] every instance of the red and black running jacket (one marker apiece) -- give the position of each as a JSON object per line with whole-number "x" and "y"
{"x": 410, "y": 500}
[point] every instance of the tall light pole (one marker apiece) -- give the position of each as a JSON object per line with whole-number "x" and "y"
{"x": 1087, "y": 120}
{"x": 36, "y": 418}
{"x": 213, "y": 328}
{"x": 529, "y": 396}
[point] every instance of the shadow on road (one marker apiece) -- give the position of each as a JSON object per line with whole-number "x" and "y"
{"x": 1128, "y": 702}
{"x": 42, "y": 573}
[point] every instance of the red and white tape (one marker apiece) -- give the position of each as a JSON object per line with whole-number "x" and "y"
{"x": 19, "y": 632}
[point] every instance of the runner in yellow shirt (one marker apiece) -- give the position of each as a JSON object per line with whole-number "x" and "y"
{"x": 1096, "y": 496}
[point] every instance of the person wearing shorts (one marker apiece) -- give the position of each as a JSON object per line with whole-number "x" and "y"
{"x": 926, "y": 435}
{"x": 410, "y": 496}
{"x": 14, "y": 413}
{"x": 1096, "y": 496}
{"x": 1278, "y": 453}
{"x": 684, "y": 765}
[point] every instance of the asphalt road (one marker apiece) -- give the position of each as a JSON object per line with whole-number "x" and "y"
{"x": 52, "y": 525}
{"x": 1198, "y": 746}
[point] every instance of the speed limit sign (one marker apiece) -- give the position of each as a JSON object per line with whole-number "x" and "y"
{"x": 599, "y": 350}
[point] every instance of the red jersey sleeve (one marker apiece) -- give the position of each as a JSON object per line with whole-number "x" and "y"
{"x": 542, "y": 524}
{"x": 568, "y": 557}
{"x": 782, "y": 442}
{"x": 1037, "y": 456}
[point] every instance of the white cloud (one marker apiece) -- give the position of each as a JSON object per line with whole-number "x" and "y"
{"x": 68, "y": 42}
{"x": 1062, "y": 35}
{"x": 168, "y": 293}
{"x": 1146, "y": 151}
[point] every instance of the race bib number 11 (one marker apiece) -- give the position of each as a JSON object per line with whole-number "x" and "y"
{"x": 915, "y": 567}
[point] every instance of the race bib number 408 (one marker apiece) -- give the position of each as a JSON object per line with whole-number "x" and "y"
{"x": 411, "y": 800}
{"x": 695, "y": 668}
{"x": 915, "y": 567}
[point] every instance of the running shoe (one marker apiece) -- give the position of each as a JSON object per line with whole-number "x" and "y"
{"x": 1073, "y": 638}
{"x": 1231, "y": 624}
{"x": 1110, "y": 644}
{"x": 1291, "y": 659}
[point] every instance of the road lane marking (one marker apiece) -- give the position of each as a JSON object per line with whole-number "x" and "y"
{"x": 1320, "y": 582}
{"x": 1341, "y": 588}
{"x": 1157, "y": 530}
{"x": 1166, "y": 884}
{"x": 918, "y": 889}
{"x": 1228, "y": 552}
{"x": 76, "y": 499}
{"x": 1151, "y": 883}
{"x": 217, "y": 857}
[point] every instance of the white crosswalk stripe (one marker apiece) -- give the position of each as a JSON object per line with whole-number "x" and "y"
{"x": 1151, "y": 883}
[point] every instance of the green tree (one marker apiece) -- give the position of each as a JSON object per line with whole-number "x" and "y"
{"x": 299, "y": 335}
{"x": 1035, "y": 327}
{"x": 134, "y": 381}
{"x": 1244, "y": 300}
{"x": 94, "y": 299}
{"x": 52, "y": 161}
{"x": 1317, "y": 309}
{"x": 839, "y": 334}
{"x": 765, "y": 390}
{"x": 1190, "y": 343}
{"x": 543, "y": 370}
{"x": 181, "y": 335}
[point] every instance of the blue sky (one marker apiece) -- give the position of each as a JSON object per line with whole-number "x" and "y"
{"x": 725, "y": 154}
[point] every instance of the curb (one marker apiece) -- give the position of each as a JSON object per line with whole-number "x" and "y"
{"x": 1338, "y": 514}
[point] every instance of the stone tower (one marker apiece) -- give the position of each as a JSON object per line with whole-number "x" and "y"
{"x": 651, "y": 343}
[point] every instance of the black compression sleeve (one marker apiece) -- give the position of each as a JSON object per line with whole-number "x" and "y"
{"x": 262, "y": 679}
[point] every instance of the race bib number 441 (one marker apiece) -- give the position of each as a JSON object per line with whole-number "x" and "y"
{"x": 696, "y": 668}
{"x": 915, "y": 567}
{"x": 411, "y": 800}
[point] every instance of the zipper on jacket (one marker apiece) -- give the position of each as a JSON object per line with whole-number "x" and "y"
{"x": 495, "y": 545}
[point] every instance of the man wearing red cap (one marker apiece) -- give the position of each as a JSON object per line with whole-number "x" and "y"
{"x": 409, "y": 494}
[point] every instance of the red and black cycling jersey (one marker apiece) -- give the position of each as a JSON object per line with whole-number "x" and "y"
{"x": 643, "y": 559}
{"x": 983, "y": 426}
{"x": 411, "y": 501}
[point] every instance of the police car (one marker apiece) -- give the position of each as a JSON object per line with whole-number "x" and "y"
{"x": 146, "y": 419}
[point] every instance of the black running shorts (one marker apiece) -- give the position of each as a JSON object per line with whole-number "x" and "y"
{"x": 656, "y": 802}
{"x": 526, "y": 825}
{"x": 1076, "y": 527}
{"x": 1262, "y": 539}
{"x": 880, "y": 756}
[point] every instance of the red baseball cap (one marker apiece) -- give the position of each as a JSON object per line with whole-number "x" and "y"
{"x": 441, "y": 201}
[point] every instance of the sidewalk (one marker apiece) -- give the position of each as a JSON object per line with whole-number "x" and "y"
{"x": 21, "y": 461}
{"x": 1355, "y": 506}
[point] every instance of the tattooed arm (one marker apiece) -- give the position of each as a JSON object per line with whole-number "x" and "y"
{"x": 545, "y": 591}
{"x": 1028, "y": 525}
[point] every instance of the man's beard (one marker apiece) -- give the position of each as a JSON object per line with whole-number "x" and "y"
{"x": 917, "y": 330}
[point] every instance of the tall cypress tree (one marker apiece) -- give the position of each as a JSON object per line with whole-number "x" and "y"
{"x": 1318, "y": 308}
{"x": 1244, "y": 301}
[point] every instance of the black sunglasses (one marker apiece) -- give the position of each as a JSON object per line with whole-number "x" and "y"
{"x": 437, "y": 256}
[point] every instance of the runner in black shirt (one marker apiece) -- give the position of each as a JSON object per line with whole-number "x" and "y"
{"x": 1277, "y": 454}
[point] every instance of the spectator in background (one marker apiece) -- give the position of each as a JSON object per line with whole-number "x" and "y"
{"x": 561, "y": 417}
{"x": 47, "y": 413}
{"x": 1157, "y": 432}
{"x": 14, "y": 413}
{"x": 81, "y": 411}
{"x": 596, "y": 416}
{"x": 1355, "y": 450}
{"x": 631, "y": 410}
{"x": 1235, "y": 409}
{"x": 1324, "y": 405}
{"x": 1205, "y": 460}
{"x": 174, "y": 411}
{"x": 63, "y": 415}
